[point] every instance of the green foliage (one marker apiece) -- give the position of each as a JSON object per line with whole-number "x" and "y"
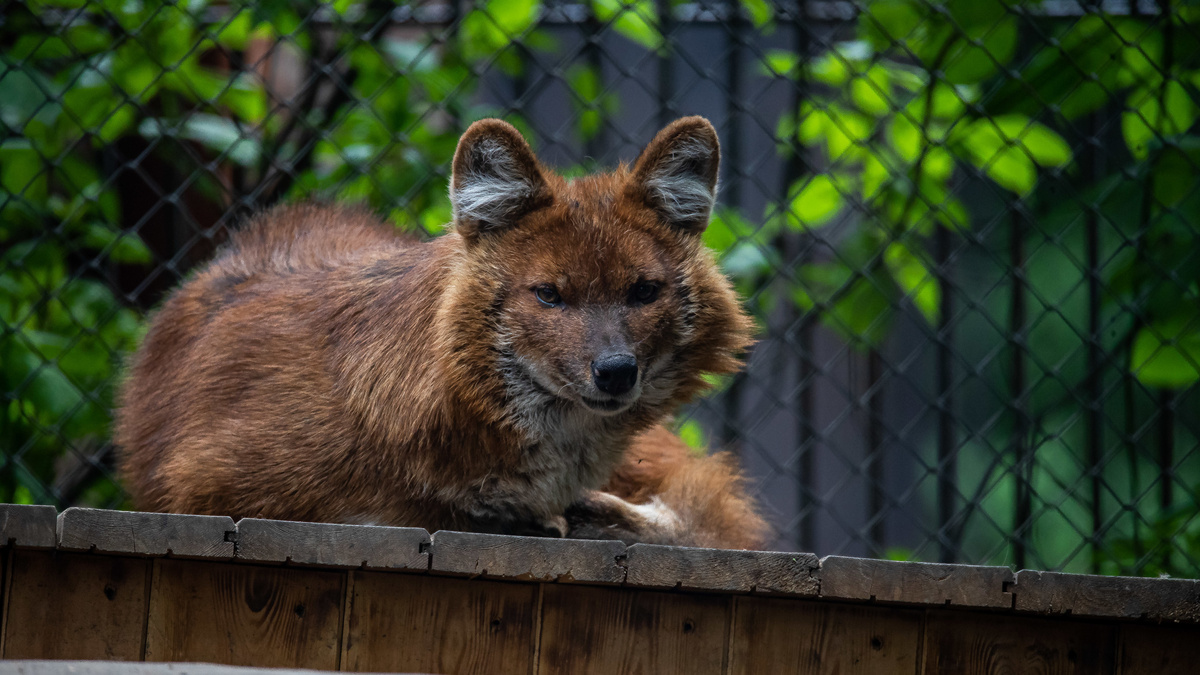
{"x": 158, "y": 74}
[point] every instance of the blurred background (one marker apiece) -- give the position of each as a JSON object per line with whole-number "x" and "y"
{"x": 967, "y": 229}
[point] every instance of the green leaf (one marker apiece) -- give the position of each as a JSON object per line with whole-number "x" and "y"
{"x": 760, "y": 11}
{"x": 871, "y": 91}
{"x": 122, "y": 247}
{"x": 216, "y": 133}
{"x": 1174, "y": 175}
{"x": 779, "y": 63}
{"x": 843, "y": 132}
{"x": 635, "y": 19}
{"x": 22, "y": 174}
{"x": 1156, "y": 113}
{"x": 814, "y": 204}
{"x": 914, "y": 279}
{"x": 967, "y": 63}
{"x": 863, "y": 314}
{"x": 692, "y": 435}
{"x": 1006, "y": 147}
{"x": 886, "y": 23}
{"x": 1167, "y": 354}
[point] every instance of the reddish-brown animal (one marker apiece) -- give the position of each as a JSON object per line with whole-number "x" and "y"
{"x": 325, "y": 368}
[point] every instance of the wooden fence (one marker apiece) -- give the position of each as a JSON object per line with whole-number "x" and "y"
{"x": 91, "y": 584}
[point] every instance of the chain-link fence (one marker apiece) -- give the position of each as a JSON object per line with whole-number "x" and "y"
{"x": 967, "y": 229}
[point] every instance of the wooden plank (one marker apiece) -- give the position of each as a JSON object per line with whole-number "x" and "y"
{"x": 108, "y": 668}
{"x": 75, "y": 606}
{"x": 1160, "y": 650}
{"x": 439, "y": 624}
{"x": 775, "y": 635}
{"x": 146, "y": 533}
{"x": 914, "y": 582}
{"x": 1123, "y": 597}
{"x": 245, "y": 615}
{"x": 968, "y": 642}
{"x": 365, "y": 546}
{"x": 721, "y": 570}
{"x": 528, "y": 558}
{"x": 28, "y": 526}
{"x": 615, "y": 631}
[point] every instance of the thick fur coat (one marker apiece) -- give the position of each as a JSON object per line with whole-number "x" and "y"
{"x": 326, "y": 368}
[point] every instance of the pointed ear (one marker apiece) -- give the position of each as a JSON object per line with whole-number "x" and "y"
{"x": 495, "y": 180}
{"x": 676, "y": 174}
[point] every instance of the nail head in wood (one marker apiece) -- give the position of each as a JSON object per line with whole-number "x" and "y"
{"x": 367, "y": 546}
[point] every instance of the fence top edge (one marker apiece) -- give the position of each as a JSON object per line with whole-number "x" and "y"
{"x": 77, "y": 667}
{"x": 646, "y": 566}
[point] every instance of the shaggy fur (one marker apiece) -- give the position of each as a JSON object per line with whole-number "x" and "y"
{"x": 325, "y": 368}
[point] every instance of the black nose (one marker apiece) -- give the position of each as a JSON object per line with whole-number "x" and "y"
{"x": 615, "y": 374}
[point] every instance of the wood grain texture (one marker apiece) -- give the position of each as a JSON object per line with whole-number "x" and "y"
{"x": 401, "y": 622}
{"x": 1123, "y": 597}
{"x": 244, "y": 615}
{"x": 986, "y": 644}
{"x": 913, "y": 582}
{"x": 618, "y": 631}
{"x": 138, "y": 533}
{"x": 527, "y": 558}
{"x": 75, "y": 606}
{"x": 332, "y": 545}
{"x": 722, "y": 570}
{"x": 1159, "y": 650}
{"x": 795, "y": 636}
{"x": 28, "y": 526}
{"x": 107, "y": 668}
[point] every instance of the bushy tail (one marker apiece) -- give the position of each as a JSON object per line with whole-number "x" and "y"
{"x": 664, "y": 494}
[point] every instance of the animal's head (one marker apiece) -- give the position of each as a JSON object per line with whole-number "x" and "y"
{"x": 597, "y": 291}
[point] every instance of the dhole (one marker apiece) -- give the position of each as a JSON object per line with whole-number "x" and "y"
{"x": 325, "y": 368}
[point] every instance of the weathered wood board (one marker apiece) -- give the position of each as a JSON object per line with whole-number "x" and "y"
{"x": 245, "y": 615}
{"x": 619, "y": 631}
{"x": 785, "y": 636}
{"x": 403, "y": 622}
{"x": 126, "y": 586}
{"x": 75, "y": 606}
{"x": 968, "y": 642}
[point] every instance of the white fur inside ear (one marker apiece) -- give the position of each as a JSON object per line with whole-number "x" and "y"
{"x": 678, "y": 185}
{"x": 493, "y": 186}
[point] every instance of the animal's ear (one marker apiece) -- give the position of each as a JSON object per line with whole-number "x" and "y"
{"x": 496, "y": 179}
{"x": 677, "y": 173}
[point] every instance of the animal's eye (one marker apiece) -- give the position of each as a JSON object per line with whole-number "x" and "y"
{"x": 547, "y": 295}
{"x": 645, "y": 292}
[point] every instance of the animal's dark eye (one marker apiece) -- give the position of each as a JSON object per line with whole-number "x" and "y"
{"x": 547, "y": 295}
{"x": 645, "y": 292}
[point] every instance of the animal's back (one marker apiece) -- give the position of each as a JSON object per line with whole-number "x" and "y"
{"x": 237, "y": 348}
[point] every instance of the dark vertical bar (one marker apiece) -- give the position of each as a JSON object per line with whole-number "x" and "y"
{"x": 1166, "y": 399}
{"x": 666, "y": 23}
{"x": 876, "y": 497}
{"x": 454, "y": 15}
{"x": 1094, "y": 160}
{"x": 949, "y": 534}
{"x": 796, "y": 166}
{"x": 1166, "y": 448}
{"x": 732, "y": 146}
{"x": 594, "y": 147}
{"x": 1023, "y": 504}
{"x": 1092, "y": 385}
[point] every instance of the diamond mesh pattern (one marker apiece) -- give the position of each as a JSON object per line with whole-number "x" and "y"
{"x": 967, "y": 229}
